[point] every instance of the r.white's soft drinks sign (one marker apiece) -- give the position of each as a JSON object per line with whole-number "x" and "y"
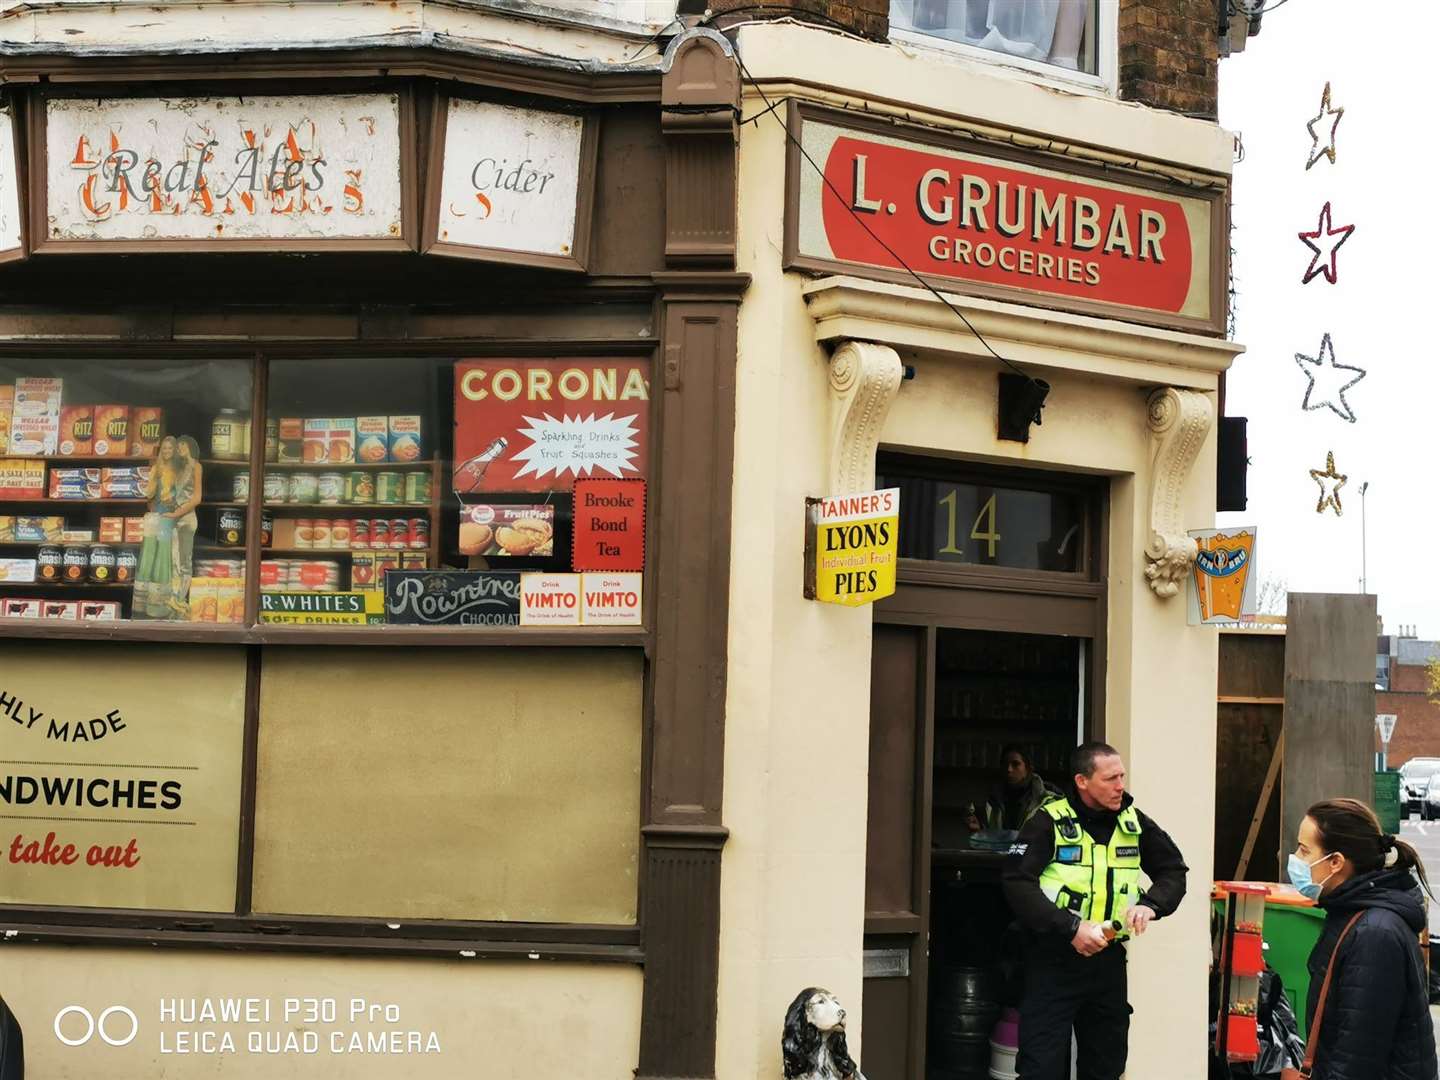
{"x": 299, "y": 170}
{"x": 998, "y": 225}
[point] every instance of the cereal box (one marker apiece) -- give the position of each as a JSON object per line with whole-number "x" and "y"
{"x": 78, "y": 536}
{"x": 61, "y": 609}
{"x": 112, "y": 430}
{"x": 91, "y": 610}
{"x": 77, "y": 431}
{"x": 362, "y": 571}
{"x": 134, "y": 530}
{"x": 204, "y": 599}
{"x": 21, "y": 479}
{"x": 7, "y": 529}
{"x": 124, "y": 483}
{"x": 13, "y": 570}
{"x": 22, "y": 608}
{"x": 147, "y": 427}
{"x": 35, "y": 417}
{"x": 37, "y": 530}
{"x": 406, "y": 445}
{"x": 414, "y": 560}
{"x": 230, "y": 600}
{"x": 7, "y": 405}
{"x": 317, "y": 434}
{"x": 340, "y": 443}
{"x": 112, "y": 530}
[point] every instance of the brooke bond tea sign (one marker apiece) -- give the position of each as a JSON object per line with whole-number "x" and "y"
{"x": 538, "y": 425}
{"x": 851, "y": 546}
{"x": 302, "y": 170}
{"x": 513, "y": 183}
{"x": 999, "y": 226}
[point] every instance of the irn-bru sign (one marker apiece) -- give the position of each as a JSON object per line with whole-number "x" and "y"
{"x": 1002, "y": 227}
{"x": 302, "y": 170}
{"x": 851, "y": 546}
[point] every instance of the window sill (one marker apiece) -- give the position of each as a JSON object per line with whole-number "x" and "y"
{"x": 1018, "y": 66}
{"x": 269, "y": 634}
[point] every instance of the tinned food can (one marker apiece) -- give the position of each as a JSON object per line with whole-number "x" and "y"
{"x": 304, "y": 488}
{"x": 379, "y": 534}
{"x": 331, "y": 488}
{"x": 399, "y": 534}
{"x": 126, "y": 561}
{"x": 50, "y": 563}
{"x": 232, "y": 528}
{"x": 75, "y": 565}
{"x": 419, "y": 534}
{"x": 304, "y": 533}
{"x": 273, "y": 574}
{"x": 240, "y": 487}
{"x": 359, "y": 487}
{"x": 417, "y": 488}
{"x": 102, "y": 564}
{"x": 275, "y": 487}
{"x": 360, "y": 534}
{"x": 389, "y": 488}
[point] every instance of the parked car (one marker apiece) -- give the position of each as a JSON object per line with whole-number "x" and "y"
{"x": 1414, "y": 776}
{"x": 1430, "y": 801}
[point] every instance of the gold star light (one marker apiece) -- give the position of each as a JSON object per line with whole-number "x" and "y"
{"x": 1330, "y": 484}
{"x": 1316, "y": 150}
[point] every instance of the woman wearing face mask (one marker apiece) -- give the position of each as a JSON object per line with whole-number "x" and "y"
{"x": 1376, "y": 1023}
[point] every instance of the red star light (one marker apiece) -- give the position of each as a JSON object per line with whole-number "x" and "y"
{"x": 1329, "y": 241}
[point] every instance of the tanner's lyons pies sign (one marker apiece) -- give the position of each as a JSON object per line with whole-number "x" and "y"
{"x": 285, "y": 172}
{"x": 1017, "y": 229}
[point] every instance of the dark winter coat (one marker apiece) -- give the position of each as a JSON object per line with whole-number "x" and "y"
{"x": 12, "y": 1052}
{"x": 1377, "y": 1023}
{"x": 1007, "y": 808}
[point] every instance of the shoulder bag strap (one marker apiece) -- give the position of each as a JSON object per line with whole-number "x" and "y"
{"x": 1313, "y": 1043}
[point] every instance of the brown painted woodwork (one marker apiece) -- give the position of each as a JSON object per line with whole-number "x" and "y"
{"x": 1250, "y": 725}
{"x": 890, "y": 859}
{"x": 886, "y": 1007}
{"x": 700, "y": 100}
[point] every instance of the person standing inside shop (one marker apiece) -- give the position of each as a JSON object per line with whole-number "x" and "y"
{"x": 1076, "y": 890}
{"x": 1017, "y": 799}
{"x": 12, "y": 1045}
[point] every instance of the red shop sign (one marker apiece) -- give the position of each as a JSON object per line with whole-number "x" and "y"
{"x": 1001, "y": 227}
{"x": 538, "y": 425}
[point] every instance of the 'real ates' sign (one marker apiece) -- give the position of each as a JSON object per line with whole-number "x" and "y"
{"x": 299, "y": 171}
{"x": 1009, "y": 227}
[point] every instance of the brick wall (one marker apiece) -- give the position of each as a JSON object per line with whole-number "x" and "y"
{"x": 1170, "y": 54}
{"x": 1417, "y": 724}
{"x": 868, "y": 18}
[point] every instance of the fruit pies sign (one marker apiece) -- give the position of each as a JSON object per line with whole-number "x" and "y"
{"x": 296, "y": 172}
{"x": 972, "y": 220}
{"x": 539, "y": 425}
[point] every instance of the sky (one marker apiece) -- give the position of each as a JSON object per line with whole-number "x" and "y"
{"x": 1379, "y": 313}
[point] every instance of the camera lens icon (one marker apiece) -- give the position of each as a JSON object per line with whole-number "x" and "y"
{"x": 100, "y": 1025}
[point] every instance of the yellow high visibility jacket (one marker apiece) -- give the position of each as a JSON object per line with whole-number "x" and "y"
{"x": 1094, "y": 881}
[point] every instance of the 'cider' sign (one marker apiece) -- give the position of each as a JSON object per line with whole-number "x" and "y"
{"x": 292, "y": 172}
{"x": 851, "y": 546}
{"x": 1005, "y": 228}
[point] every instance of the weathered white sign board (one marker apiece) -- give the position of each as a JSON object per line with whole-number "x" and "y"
{"x": 513, "y": 184}
{"x": 11, "y": 242}
{"x": 284, "y": 172}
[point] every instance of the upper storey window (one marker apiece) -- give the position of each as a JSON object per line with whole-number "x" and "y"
{"x": 1059, "y": 33}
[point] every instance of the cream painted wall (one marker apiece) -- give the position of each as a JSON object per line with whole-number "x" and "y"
{"x": 797, "y": 722}
{"x": 513, "y": 1020}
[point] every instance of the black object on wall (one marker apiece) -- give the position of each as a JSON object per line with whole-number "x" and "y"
{"x": 1231, "y": 463}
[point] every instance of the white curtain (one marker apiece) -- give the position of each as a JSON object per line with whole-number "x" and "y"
{"x": 1047, "y": 30}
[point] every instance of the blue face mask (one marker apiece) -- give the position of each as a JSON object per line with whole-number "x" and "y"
{"x": 1299, "y": 872}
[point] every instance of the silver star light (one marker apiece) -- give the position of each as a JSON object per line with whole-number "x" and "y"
{"x": 1328, "y": 150}
{"x": 1328, "y": 381}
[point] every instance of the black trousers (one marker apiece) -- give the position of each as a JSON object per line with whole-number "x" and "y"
{"x": 1065, "y": 991}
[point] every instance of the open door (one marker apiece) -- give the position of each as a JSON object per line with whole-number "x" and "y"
{"x": 897, "y": 878}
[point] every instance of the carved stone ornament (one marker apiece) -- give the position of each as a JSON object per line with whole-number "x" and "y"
{"x": 1179, "y": 421}
{"x": 813, "y": 1040}
{"x": 864, "y": 380}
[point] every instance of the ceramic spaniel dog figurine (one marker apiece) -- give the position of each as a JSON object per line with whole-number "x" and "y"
{"x": 814, "y": 1039}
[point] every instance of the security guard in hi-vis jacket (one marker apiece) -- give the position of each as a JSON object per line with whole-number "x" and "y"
{"x": 1077, "y": 890}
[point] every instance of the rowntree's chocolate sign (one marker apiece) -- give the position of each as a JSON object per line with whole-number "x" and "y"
{"x": 1001, "y": 228}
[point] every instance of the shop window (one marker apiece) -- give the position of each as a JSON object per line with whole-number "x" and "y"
{"x": 479, "y": 493}
{"x": 371, "y": 804}
{"x": 1057, "y": 33}
{"x": 982, "y": 520}
{"x": 109, "y": 508}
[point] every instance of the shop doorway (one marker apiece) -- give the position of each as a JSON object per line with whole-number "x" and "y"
{"x": 948, "y": 706}
{"x": 995, "y": 636}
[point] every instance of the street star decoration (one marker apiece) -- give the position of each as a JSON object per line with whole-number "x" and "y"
{"x": 1330, "y": 484}
{"x": 1333, "y": 380}
{"x": 1323, "y": 259}
{"x": 1316, "y": 150}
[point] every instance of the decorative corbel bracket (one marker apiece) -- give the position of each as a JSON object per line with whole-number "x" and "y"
{"x": 1179, "y": 421}
{"x": 864, "y": 380}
